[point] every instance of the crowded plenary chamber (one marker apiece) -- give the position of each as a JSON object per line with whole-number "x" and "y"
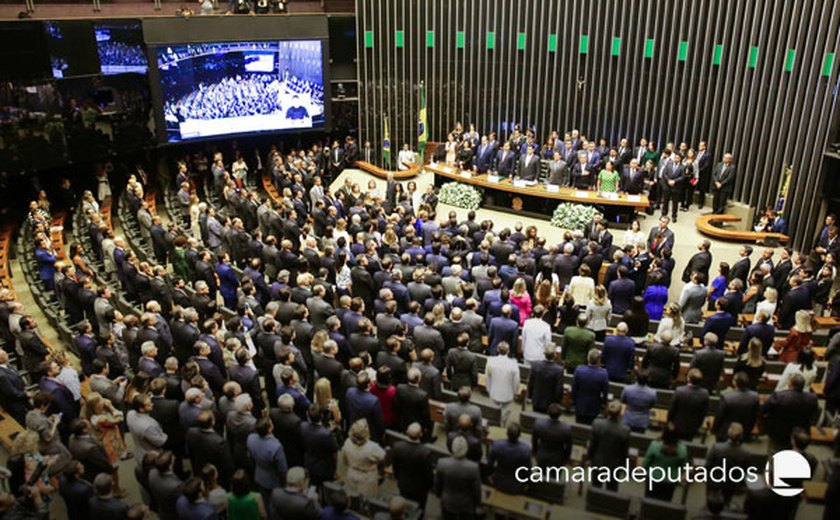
{"x": 401, "y": 259}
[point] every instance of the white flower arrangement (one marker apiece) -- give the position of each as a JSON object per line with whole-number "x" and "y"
{"x": 572, "y": 216}
{"x": 460, "y": 195}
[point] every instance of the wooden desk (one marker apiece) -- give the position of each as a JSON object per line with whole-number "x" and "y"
{"x": 815, "y": 491}
{"x": 9, "y": 429}
{"x": 516, "y": 506}
{"x": 539, "y": 190}
{"x": 706, "y": 225}
{"x": 820, "y": 322}
{"x": 269, "y": 188}
{"x": 412, "y": 171}
{"x": 823, "y": 435}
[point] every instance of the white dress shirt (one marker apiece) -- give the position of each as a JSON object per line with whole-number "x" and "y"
{"x": 536, "y": 334}
{"x": 502, "y": 375}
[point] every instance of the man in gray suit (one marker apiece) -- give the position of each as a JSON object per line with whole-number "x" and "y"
{"x": 165, "y": 486}
{"x": 454, "y": 410}
{"x": 729, "y": 452}
{"x": 458, "y": 483}
{"x": 692, "y": 298}
{"x": 111, "y": 389}
{"x": 610, "y": 443}
{"x": 144, "y": 218}
{"x": 87, "y": 450}
{"x": 319, "y": 309}
{"x": 723, "y": 183}
{"x": 292, "y": 501}
{"x": 429, "y": 374}
{"x": 709, "y": 360}
{"x": 558, "y": 171}
{"x": 478, "y": 329}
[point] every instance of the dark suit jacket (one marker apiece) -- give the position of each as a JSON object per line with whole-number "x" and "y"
{"x": 91, "y": 453}
{"x": 412, "y": 405}
{"x": 688, "y": 409}
{"x": 786, "y": 410}
{"x": 663, "y": 364}
{"x": 740, "y": 270}
{"x": 287, "y": 430}
{"x": 107, "y": 509}
{"x": 589, "y": 390}
{"x": 529, "y": 170}
{"x": 364, "y": 405}
{"x": 621, "y": 292}
{"x": 700, "y": 262}
{"x": 551, "y": 442}
{"x": 736, "y": 406}
{"x": 412, "y": 463}
{"x": 165, "y": 412}
{"x": 504, "y": 165}
{"x": 458, "y": 484}
{"x": 725, "y": 175}
{"x": 545, "y": 384}
{"x": 165, "y": 488}
{"x": 320, "y": 451}
{"x": 205, "y": 447}
{"x": 797, "y": 299}
{"x": 293, "y": 504}
{"x": 710, "y": 362}
{"x": 504, "y": 458}
{"x": 609, "y": 444}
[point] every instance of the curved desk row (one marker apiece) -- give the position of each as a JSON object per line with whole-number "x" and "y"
{"x": 412, "y": 171}
{"x": 637, "y": 202}
{"x": 710, "y": 225}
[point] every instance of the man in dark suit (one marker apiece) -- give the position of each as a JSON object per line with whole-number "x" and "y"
{"x": 551, "y": 439}
{"x": 88, "y": 450}
{"x": 566, "y": 265}
{"x": 453, "y": 411}
{"x": 206, "y": 446}
{"x": 62, "y": 399}
{"x": 798, "y": 298}
{"x": 529, "y": 165}
{"x": 294, "y": 501}
{"x": 737, "y": 405}
{"x": 336, "y": 160}
{"x": 781, "y": 271}
{"x": 412, "y": 463}
{"x": 545, "y": 382}
{"x": 621, "y": 291}
{"x": 461, "y": 363}
{"x": 632, "y": 178}
{"x": 671, "y": 178}
{"x": 704, "y": 168}
{"x": 362, "y": 283}
{"x": 502, "y": 328}
{"x": 589, "y": 388}
{"x": 785, "y": 410}
{"x": 320, "y": 447}
{"x": 458, "y": 482}
{"x": 728, "y": 452}
{"x": 700, "y": 262}
{"x": 12, "y": 390}
{"x": 667, "y": 240}
{"x": 505, "y": 457}
{"x": 709, "y": 361}
{"x": 723, "y": 183}
{"x": 105, "y": 505}
{"x": 741, "y": 268}
{"x": 610, "y": 443}
{"x": 504, "y": 161}
{"x": 412, "y": 404}
{"x": 361, "y": 404}
{"x": 165, "y": 486}
{"x": 689, "y": 406}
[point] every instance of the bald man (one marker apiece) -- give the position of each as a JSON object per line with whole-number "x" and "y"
{"x": 412, "y": 463}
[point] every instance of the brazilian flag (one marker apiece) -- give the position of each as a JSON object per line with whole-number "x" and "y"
{"x": 422, "y": 127}
{"x": 386, "y": 145}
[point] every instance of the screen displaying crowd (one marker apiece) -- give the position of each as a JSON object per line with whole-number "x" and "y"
{"x": 232, "y": 88}
{"x": 120, "y": 47}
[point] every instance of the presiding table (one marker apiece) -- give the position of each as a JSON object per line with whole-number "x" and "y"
{"x": 535, "y": 197}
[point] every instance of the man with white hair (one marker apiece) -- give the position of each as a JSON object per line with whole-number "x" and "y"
{"x": 294, "y": 501}
{"x": 502, "y": 376}
{"x": 450, "y": 283}
{"x": 502, "y": 329}
{"x": 536, "y": 335}
{"x": 240, "y": 424}
{"x": 148, "y": 363}
{"x": 458, "y": 482}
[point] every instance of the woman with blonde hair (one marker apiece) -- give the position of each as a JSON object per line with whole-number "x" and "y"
{"x": 519, "y": 296}
{"x": 360, "y": 457}
{"x": 672, "y": 322}
{"x": 323, "y": 397}
{"x": 582, "y": 286}
{"x": 799, "y": 336}
{"x": 25, "y": 450}
{"x": 752, "y": 363}
{"x": 318, "y": 340}
{"x": 767, "y": 305}
{"x": 439, "y": 314}
{"x": 106, "y": 420}
{"x": 598, "y": 310}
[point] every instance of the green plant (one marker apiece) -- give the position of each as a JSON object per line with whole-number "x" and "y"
{"x": 460, "y": 195}
{"x": 572, "y": 216}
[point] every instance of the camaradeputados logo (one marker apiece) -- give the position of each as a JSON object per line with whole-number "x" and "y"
{"x": 649, "y": 476}
{"x": 785, "y": 472}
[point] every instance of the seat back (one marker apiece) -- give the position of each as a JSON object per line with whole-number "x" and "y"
{"x": 610, "y": 503}
{"x": 653, "y": 509}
